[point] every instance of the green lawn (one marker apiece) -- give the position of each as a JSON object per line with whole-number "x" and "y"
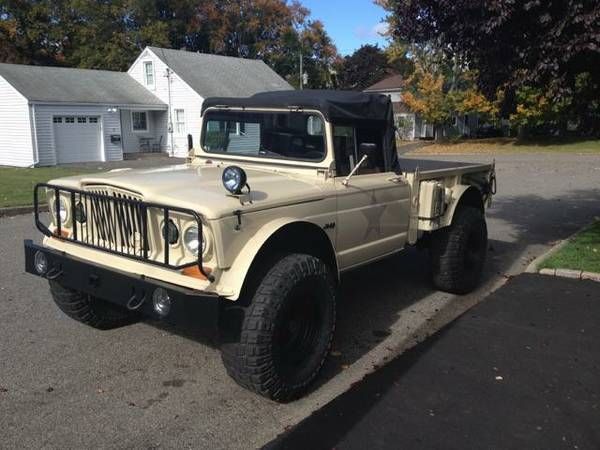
{"x": 16, "y": 184}
{"x": 510, "y": 145}
{"x": 581, "y": 253}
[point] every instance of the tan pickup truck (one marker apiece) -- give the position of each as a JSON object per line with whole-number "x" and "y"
{"x": 284, "y": 193}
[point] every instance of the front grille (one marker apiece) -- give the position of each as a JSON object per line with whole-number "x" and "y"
{"x": 119, "y": 222}
{"x": 112, "y": 223}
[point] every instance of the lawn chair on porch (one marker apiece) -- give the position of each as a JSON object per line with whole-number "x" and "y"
{"x": 157, "y": 146}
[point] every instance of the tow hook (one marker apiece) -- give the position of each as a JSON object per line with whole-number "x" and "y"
{"x": 134, "y": 303}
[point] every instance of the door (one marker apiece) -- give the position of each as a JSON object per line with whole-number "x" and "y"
{"x": 77, "y": 139}
{"x": 372, "y": 208}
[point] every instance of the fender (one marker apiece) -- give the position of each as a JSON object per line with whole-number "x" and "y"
{"x": 232, "y": 279}
{"x": 460, "y": 194}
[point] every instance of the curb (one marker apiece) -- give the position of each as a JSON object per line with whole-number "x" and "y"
{"x": 18, "y": 210}
{"x": 533, "y": 267}
{"x": 573, "y": 274}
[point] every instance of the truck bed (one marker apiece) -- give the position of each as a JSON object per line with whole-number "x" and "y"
{"x": 430, "y": 167}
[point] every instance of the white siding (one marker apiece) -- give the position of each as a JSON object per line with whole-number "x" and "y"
{"x": 110, "y": 124}
{"x": 157, "y": 127}
{"x": 16, "y": 143}
{"x": 182, "y": 97}
{"x": 249, "y": 142}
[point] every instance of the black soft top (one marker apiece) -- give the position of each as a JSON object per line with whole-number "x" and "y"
{"x": 338, "y": 107}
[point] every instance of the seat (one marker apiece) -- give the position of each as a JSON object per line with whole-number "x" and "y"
{"x": 157, "y": 146}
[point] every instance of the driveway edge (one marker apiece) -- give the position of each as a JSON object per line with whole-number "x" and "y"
{"x": 19, "y": 210}
{"x": 533, "y": 267}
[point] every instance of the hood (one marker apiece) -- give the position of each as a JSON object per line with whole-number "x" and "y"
{"x": 200, "y": 188}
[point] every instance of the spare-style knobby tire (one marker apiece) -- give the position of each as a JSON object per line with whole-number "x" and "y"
{"x": 458, "y": 251}
{"x": 286, "y": 330}
{"x": 90, "y": 310}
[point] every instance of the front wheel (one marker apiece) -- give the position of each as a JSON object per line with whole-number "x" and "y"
{"x": 458, "y": 252}
{"x": 90, "y": 310}
{"x": 286, "y": 332}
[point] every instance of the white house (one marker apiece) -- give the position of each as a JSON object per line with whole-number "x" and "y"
{"x": 51, "y": 115}
{"x": 410, "y": 125}
{"x": 184, "y": 79}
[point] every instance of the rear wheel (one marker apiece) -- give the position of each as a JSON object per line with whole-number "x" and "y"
{"x": 90, "y": 310}
{"x": 286, "y": 331}
{"x": 458, "y": 252}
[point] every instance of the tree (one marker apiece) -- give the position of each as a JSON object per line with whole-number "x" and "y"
{"x": 437, "y": 97}
{"x": 366, "y": 66}
{"x": 26, "y": 35}
{"x": 541, "y": 44}
{"x": 108, "y": 34}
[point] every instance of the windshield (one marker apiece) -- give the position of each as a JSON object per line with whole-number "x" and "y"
{"x": 288, "y": 135}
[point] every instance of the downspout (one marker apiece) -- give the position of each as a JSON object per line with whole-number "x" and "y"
{"x": 36, "y": 155}
{"x": 170, "y": 113}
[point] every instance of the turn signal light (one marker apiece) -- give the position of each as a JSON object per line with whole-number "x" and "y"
{"x": 194, "y": 271}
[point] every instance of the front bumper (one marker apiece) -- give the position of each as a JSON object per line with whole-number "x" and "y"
{"x": 188, "y": 307}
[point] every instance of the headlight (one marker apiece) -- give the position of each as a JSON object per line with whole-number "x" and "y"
{"x": 63, "y": 211}
{"x": 192, "y": 242}
{"x": 234, "y": 179}
{"x": 170, "y": 232}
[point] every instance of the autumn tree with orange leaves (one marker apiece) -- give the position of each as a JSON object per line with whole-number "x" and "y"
{"x": 109, "y": 35}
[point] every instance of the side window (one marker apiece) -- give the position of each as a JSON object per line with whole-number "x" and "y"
{"x": 376, "y": 164}
{"x": 148, "y": 73}
{"x": 139, "y": 121}
{"x": 344, "y": 147}
{"x": 179, "y": 121}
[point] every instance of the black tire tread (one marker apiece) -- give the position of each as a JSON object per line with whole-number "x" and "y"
{"x": 89, "y": 310}
{"x": 248, "y": 361}
{"x": 447, "y": 251}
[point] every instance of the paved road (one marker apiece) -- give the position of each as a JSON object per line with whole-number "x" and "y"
{"x": 63, "y": 385}
{"x": 519, "y": 370}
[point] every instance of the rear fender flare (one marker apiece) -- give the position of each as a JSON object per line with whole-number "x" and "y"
{"x": 467, "y": 195}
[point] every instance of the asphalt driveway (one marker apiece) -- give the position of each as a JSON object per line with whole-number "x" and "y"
{"x": 63, "y": 385}
{"x": 519, "y": 370}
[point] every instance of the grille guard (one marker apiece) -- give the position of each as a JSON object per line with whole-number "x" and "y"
{"x": 131, "y": 220}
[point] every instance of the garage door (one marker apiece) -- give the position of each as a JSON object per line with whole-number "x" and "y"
{"x": 77, "y": 139}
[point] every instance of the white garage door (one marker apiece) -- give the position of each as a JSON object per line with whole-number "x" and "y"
{"x": 77, "y": 139}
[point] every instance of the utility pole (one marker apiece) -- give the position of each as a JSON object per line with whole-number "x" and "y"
{"x": 301, "y": 74}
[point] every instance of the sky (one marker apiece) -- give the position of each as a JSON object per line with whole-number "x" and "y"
{"x": 350, "y": 23}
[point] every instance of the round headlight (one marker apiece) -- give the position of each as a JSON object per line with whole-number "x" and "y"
{"x": 80, "y": 213}
{"x": 192, "y": 242}
{"x": 234, "y": 179}
{"x": 64, "y": 210}
{"x": 170, "y": 232}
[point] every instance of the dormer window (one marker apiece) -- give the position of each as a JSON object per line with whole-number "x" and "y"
{"x": 148, "y": 73}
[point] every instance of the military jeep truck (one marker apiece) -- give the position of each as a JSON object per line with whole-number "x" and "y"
{"x": 284, "y": 193}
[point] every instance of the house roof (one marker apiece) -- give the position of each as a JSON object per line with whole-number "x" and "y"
{"x": 77, "y": 86}
{"x": 221, "y": 76}
{"x": 394, "y": 82}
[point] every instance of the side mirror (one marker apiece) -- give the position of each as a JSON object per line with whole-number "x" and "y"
{"x": 367, "y": 148}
